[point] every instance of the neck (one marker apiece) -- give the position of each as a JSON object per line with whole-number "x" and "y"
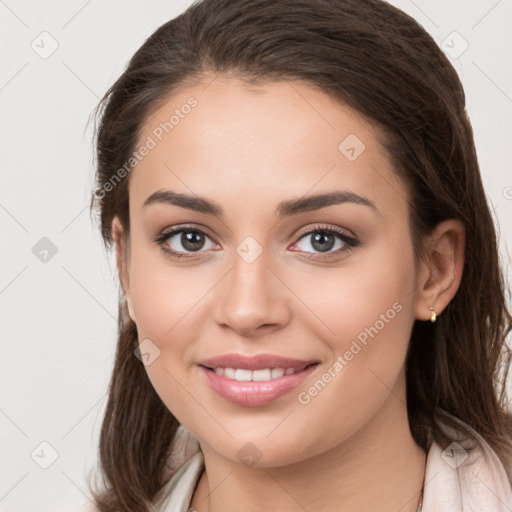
{"x": 380, "y": 467}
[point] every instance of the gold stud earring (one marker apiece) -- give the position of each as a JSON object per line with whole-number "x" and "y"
{"x": 434, "y": 316}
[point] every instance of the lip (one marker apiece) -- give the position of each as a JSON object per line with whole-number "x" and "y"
{"x": 255, "y": 393}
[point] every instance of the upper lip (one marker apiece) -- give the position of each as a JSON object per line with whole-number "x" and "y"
{"x": 257, "y": 362}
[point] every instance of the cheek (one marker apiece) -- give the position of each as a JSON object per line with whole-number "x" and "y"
{"x": 368, "y": 356}
{"x": 369, "y": 312}
{"x": 165, "y": 296}
{"x": 372, "y": 290}
{"x": 365, "y": 309}
{"x": 167, "y": 303}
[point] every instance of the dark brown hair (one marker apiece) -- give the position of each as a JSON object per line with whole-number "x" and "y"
{"x": 379, "y": 61}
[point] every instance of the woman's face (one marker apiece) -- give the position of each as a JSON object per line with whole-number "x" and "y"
{"x": 270, "y": 276}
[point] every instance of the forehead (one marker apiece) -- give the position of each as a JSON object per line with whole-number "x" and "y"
{"x": 244, "y": 144}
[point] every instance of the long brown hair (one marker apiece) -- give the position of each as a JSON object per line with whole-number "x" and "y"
{"x": 381, "y": 62}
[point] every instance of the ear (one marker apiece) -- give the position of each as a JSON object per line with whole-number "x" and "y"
{"x": 440, "y": 273}
{"x": 121, "y": 241}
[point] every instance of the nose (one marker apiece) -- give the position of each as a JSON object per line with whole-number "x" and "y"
{"x": 252, "y": 299}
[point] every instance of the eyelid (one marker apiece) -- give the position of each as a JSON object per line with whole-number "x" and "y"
{"x": 323, "y": 227}
{"x": 185, "y": 227}
{"x": 350, "y": 242}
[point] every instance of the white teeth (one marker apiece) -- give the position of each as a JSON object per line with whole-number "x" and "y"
{"x": 277, "y": 372}
{"x": 261, "y": 374}
{"x": 229, "y": 373}
{"x": 244, "y": 375}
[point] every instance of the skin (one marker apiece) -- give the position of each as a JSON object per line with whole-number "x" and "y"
{"x": 248, "y": 149}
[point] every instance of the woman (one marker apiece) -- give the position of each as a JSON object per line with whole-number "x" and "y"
{"x": 312, "y": 312}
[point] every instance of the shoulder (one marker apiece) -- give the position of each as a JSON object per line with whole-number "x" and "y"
{"x": 466, "y": 475}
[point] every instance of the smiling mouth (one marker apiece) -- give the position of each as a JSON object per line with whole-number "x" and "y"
{"x": 260, "y": 375}
{"x": 255, "y": 387}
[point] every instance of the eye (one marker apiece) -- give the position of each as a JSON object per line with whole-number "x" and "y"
{"x": 182, "y": 241}
{"x": 325, "y": 240}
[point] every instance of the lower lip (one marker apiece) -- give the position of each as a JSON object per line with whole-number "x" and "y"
{"x": 255, "y": 393}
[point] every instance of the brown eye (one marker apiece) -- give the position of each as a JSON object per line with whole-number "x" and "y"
{"x": 325, "y": 240}
{"x": 192, "y": 240}
{"x": 183, "y": 241}
{"x": 322, "y": 241}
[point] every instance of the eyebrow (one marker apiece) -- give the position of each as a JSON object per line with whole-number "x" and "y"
{"x": 284, "y": 209}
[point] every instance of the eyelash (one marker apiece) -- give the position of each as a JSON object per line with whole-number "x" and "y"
{"x": 351, "y": 242}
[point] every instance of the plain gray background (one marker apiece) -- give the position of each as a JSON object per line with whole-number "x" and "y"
{"x": 58, "y": 317}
